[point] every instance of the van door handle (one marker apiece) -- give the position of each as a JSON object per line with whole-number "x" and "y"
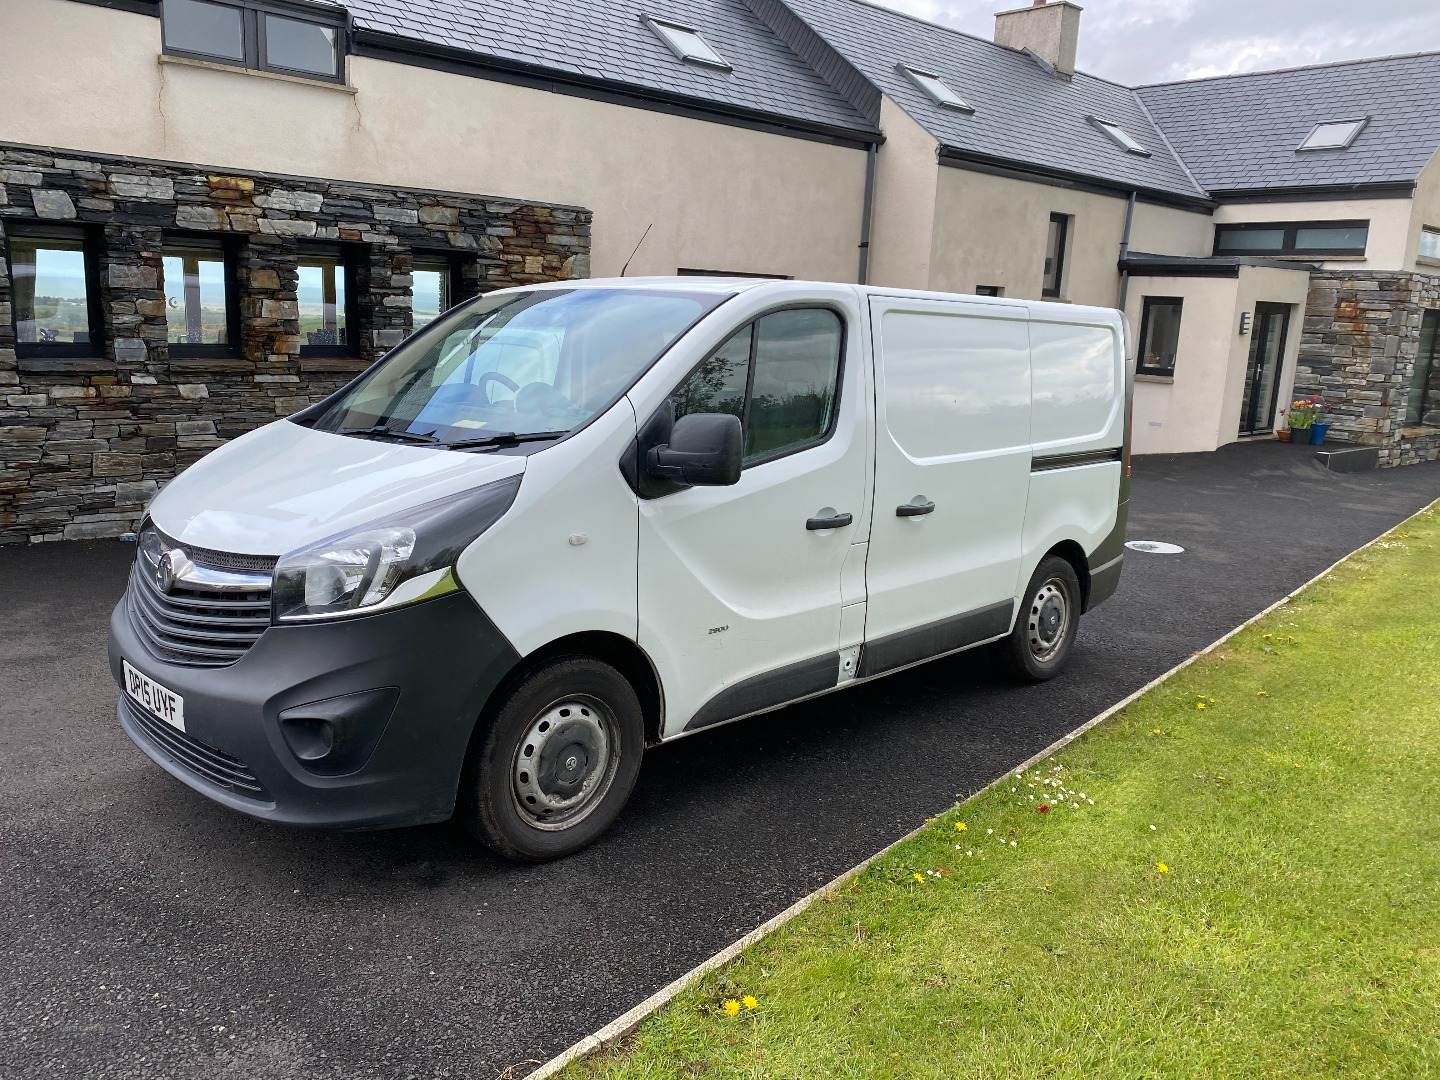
{"x": 916, "y": 507}
{"x": 828, "y": 521}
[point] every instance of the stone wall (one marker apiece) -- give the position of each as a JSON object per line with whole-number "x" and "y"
{"x": 1358, "y": 352}
{"x": 85, "y": 442}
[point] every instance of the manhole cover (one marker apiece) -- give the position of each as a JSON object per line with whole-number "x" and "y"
{"x": 1155, "y": 547}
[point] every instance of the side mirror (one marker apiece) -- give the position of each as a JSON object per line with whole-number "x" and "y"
{"x": 704, "y": 449}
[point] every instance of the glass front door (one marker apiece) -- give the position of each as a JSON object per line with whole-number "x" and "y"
{"x": 1262, "y": 373}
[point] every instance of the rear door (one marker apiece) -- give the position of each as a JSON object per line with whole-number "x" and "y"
{"x": 952, "y": 470}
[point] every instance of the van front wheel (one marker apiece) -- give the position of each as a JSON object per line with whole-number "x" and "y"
{"x": 1049, "y": 618}
{"x": 558, "y": 761}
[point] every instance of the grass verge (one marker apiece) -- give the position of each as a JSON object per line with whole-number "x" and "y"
{"x": 1238, "y": 875}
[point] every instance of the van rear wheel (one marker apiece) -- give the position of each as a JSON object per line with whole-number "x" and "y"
{"x": 558, "y": 761}
{"x": 1049, "y": 618}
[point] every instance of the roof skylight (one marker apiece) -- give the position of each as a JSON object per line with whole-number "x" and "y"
{"x": 1333, "y": 134}
{"x": 1119, "y": 136}
{"x": 937, "y": 89}
{"x": 686, "y": 43}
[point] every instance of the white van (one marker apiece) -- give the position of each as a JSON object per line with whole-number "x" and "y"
{"x": 567, "y": 522}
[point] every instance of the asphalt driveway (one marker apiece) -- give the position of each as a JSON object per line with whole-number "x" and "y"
{"x": 145, "y": 932}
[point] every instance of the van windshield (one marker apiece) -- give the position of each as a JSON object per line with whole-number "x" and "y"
{"x": 514, "y": 366}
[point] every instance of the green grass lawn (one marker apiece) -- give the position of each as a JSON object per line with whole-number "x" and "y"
{"x": 1236, "y": 876}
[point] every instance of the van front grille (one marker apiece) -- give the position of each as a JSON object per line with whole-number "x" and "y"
{"x": 193, "y": 626}
{"x": 200, "y": 758}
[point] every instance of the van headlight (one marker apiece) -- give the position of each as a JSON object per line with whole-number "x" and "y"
{"x": 398, "y": 560}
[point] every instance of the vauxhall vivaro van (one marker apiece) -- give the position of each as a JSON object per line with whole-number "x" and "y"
{"x": 566, "y": 522}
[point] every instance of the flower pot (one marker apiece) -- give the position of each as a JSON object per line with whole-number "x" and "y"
{"x": 1283, "y": 434}
{"x": 1300, "y": 436}
{"x": 1317, "y": 434}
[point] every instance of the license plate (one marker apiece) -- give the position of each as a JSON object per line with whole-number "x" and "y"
{"x": 154, "y": 698}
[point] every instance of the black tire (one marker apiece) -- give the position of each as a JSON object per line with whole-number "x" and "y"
{"x": 540, "y": 721}
{"x": 1045, "y": 630}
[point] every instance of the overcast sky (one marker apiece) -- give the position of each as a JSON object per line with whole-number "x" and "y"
{"x": 1144, "y": 41}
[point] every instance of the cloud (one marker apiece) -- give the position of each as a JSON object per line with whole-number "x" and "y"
{"x": 1142, "y": 41}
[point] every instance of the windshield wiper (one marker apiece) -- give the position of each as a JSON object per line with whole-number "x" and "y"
{"x": 505, "y": 438}
{"x": 385, "y": 431}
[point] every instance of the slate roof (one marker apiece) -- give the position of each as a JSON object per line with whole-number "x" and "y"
{"x": 1240, "y": 131}
{"x": 606, "y": 40}
{"x": 1023, "y": 113}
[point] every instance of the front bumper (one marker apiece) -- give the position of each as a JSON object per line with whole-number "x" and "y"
{"x": 421, "y": 675}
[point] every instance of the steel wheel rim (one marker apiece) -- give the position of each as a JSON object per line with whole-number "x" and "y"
{"x": 1047, "y": 623}
{"x": 565, "y": 763}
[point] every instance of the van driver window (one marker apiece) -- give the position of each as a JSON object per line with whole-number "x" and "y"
{"x": 779, "y": 375}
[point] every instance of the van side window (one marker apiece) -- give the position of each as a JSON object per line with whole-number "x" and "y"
{"x": 779, "y": 375}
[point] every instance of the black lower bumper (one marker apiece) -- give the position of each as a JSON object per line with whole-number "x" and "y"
{"x": 394, "y": 698}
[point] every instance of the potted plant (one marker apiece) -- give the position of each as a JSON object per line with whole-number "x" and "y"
{"x": 1282, "y": 433}
{"x": 1319, "y": 422}
{"x": 1302, "y": 415}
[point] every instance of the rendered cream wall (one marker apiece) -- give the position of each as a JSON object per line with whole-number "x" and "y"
{"x": 720, "y": 197}
{"x": 905, "y": 202}
{"x": 1425, "y": 210}
{"x": 1199, "y": 409}
{"x": 1389, "y": 226}
{"x": 991, "y": 230}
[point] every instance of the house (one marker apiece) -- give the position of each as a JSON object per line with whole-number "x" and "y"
{"x": 215, "y": 211}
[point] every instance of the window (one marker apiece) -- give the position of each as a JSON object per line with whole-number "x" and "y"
{"x": 431, "y": 289}
{"x": 200, "y": 307}
{"x": 1314, "y": 238}
{"x": 779, "y": 375}
{"x": 1119, "y": 136}
{"x": 989, "y": 290}
{"x": 1333, "y": 134}
{"x": 1159, "y": 335}
{"x": 937, "y": 89}
{"x": 1057, "y": 239}
{"x": 56, "y": 301}
{"x": 1430, "y": 243}
{"x": 686, "y": 43}
{"x": 324, "y": 291}
{"x": 1423, "y": 405}
{"x": 266, "y": 35}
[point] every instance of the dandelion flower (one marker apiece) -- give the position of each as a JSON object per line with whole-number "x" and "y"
{"x": 1262, "y": 693}
{"x": 1199, "y": 705}
{"x": 1160, "y": 866}
{"x": 919, "y": 878}
{"x": 960, "y": 826}
{"x": 749, "y": 1002}
{"x": 731, "y": 1007}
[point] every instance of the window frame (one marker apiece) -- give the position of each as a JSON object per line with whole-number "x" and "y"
{"x": 252, "y": 37}
{"x": 658, "y": 27}
{"x": 1424, "y": 385}
{"x": 349, "y": 261}
{"x": 227, "y": 248}
{"x": 1360, "y": 122}
{"x": 955, "y": 103}
{"x": 91, "y": 252}
{"x": 1290, "y": 229}
{"x": 996, "y": 291}
{"x": 1062, "y": 250}
{"x": 1428, "y": 230}
{"x": 1148, "y": 305}
{"x": 451, "y": 263}
{"x": 840, "y": 369}
{"x": 1119, "y": 136}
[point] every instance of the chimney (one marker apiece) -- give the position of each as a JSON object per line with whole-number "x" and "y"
{"x": 1049, "y": 30}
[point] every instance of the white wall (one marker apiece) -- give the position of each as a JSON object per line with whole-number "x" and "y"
{"x": 721, "y": 197}
{"x": 1199, "y": 408}
{"x": 991, "y": 230}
